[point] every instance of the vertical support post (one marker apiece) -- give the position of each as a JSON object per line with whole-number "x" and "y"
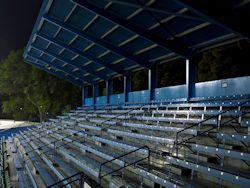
{"x": 81, "y": 181}
{"x": 190, "y": 79}
{"x": 109, "y": 89}
{"x": 95, "y": 93}
{"x": 83, "y": 96}
{"x": 127, "y": 86}
{"x": 187, "y": 80}
{"x": 152, "y": 82}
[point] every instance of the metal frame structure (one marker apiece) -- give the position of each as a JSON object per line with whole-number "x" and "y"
{"x": 98, "y": 40}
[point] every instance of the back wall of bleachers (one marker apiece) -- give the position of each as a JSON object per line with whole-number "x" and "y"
{"x": 225, "y": 87}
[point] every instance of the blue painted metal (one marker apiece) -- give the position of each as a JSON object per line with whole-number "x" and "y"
{"x": 207, "y": 13}
{"x": 59, "y": 67}
{"x": 152, "y": 81}
{"x": 109, "y": 89}
{"x": 83, "y": 96}
{"x": 225, "y": 87}
{"x": 127, "y": 86}
{"x": 94, "y": 39}
{"x": 191, "y": 78}
{"x": 158, "y": 9}
{"x": 101, "y": 100}
{"x": 61, "y": 26}
{"x": 139, "y": 96}
{"x": 173, "y": 45}
{"x": 89, "y": 101}
{"x": 117, "y": 98}
{"x": 95, "y": 92}
{"x": 235, "y": 86}
{"x": 85, "y": 69}
{"x": 44, "y": 9}
{"x": 79, "y": 52}
{"x": 173, "y": 92}
{"x": 57, "y": 74}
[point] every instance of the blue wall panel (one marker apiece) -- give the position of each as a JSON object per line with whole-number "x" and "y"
{"x": 89, "y": 101}
{"x": 225, "y": 87}
{"x": 101, "y": 100}
{"x": 232, "y": 86}
{"x": 172, "y": 92}
{"x": 139, "y": 96}
{"x": 117, "y": 98}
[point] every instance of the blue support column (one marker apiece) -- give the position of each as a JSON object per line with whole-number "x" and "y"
{"x": 95, "y": 93}
{"x": 152, "y": 81}
{"x": 127, "y": 86}
{"x": 191, "y": 77}
{"x": 109, "y": 89}
{"x": 84, "y": 94}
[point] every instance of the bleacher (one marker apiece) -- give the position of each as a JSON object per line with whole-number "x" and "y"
{"x": 142, "y": 145}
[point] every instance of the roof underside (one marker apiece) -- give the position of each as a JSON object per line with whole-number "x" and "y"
{"x": 88, "y": 41}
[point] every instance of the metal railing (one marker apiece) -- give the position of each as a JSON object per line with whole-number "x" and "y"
{"x": 80, "y": 131}
{"x": 77, "y": 177}
{"x": 125, "y": 164}
{"x": 219, "y": 124}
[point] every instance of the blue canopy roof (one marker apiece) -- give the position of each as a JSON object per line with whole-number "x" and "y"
{"x": 87, "y": 41}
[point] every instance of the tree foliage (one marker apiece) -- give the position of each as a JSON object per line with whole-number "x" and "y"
{"x": 171, "y": 73}
{"x": 31, "y": 93}
{"x": 223, "y": 63}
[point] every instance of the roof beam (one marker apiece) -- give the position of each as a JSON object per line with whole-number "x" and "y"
{"x": 80, "y": 53}
{"x": 173, "y": 45}
{"x": 96, "y": 40}
{"x": 54, "y": 55}
{"x": 211, "y": 11}
{"x": 59, "y": 68}
{"x": 57, "y": 74}
{"x": 156, "y": 10}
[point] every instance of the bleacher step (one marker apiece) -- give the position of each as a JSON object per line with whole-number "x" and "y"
{"x": 178, "y": 170}
{"x": 203, "y": 157}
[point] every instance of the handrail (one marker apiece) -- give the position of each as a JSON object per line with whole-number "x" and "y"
{"x": 61, "y": 181}
{"x": 82, "y": 131}
{"x": 40, "y": 133}
{"x": 82, "y": 175}
{"x": 121, "y": 156}
{"x": 33, "y": 136}
{"x": 199, "y": 134}
{"x": 203, "y": 121}
{"x": 125, "y": 113}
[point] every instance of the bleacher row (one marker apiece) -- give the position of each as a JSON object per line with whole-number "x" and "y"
{"x": 137, "y": 145}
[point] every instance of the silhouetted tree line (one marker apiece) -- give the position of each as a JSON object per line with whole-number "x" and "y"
{"x": 30, "y": 94}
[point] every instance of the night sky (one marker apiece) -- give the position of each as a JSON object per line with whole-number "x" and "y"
{"x": 17, "y": 18}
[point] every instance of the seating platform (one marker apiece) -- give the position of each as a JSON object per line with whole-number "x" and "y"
{"x": 136, "y": 145}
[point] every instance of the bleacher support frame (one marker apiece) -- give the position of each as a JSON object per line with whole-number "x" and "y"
{"x": 125, "y": 165}
{"x": 219, "y": 124}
